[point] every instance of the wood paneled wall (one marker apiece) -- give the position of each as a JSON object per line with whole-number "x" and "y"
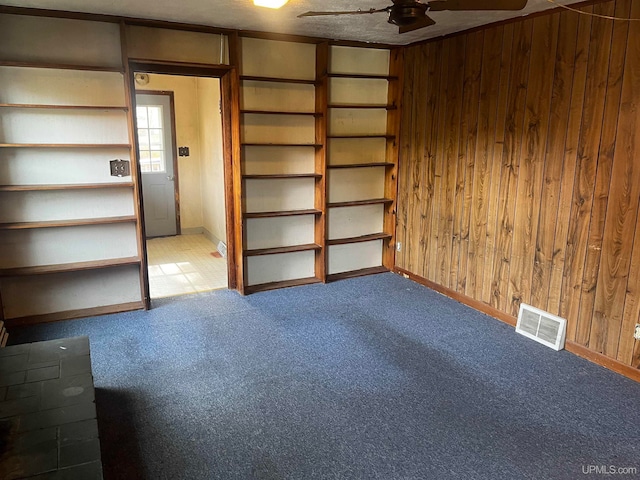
{"x": 520, "y": 170}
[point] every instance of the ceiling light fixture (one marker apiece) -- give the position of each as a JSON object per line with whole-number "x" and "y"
{"x": 270, "y": 3}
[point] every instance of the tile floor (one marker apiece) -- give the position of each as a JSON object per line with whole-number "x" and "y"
{"x": 184, "y": 264}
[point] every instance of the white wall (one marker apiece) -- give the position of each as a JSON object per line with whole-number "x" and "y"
{"x": 211, "y": 158}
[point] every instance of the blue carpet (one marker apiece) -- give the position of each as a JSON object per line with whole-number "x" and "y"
{"x": 370, "y": 378}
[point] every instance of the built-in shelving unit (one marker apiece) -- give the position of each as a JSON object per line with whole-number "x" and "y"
{"x": 319, "y": 161}
{"x": 68, "y": 229}
{"x": 363, "y": 96}
{"x": 283, "y": 118}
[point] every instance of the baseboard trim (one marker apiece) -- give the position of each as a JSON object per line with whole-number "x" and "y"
{"x": 72, "y": 314}
{"x": 211, "y": 237}
{"x": 575, "y": 348}
{"x": 192, "y": 231}
{"x": 603, "y": 360}
{"x": 468, "y": 301}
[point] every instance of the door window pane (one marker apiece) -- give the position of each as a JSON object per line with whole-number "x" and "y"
{"x": 151, "y": 138}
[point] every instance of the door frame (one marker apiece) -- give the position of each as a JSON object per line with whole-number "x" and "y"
{"x": 229, "y": 97}
{"x": 172, "y": 113}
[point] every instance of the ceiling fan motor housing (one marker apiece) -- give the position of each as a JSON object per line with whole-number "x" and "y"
{"x": 406, "y": 13}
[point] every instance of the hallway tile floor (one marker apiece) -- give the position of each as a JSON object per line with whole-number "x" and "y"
{"x": 184, "y": 264}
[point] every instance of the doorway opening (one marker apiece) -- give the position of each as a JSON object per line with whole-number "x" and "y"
{"x": 180, "y": 151}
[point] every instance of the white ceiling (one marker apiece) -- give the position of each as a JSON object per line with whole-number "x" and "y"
{"x": 243, "y": 15}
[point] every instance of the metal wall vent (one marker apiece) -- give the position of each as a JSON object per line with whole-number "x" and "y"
{"x": 541, "y": 326}
{"x": 222, "y": 248}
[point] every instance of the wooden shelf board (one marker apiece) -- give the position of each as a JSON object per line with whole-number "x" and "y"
{"x": 278, "y": 80}
{"x": 282, "y": 213}
{"x": 81, "y": 186}
{"x": 356, "y": 273}
{"x": 362, "y": 76}
{"x": 277, "y": 250}
{"x": 357, "y": 203}
{"x": 282, "y": 176}
{"x": 68, "y": 267}
{"x": 65, "y": 145}
{"x": 315, "y": 145}
{"x": 67, "y": 223}
{"x": 360, "y": 239}
{"x": 64, "y": 107}
{"x": 356, "y": 106}
{"x": 362, "y": 165}
{"x": 273, "y": 112}
{"x": 61, "y": 66}
{"x": 263, "y": 287}
{"x": 388, "y": 137}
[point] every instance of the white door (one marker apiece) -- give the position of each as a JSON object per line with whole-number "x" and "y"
{"x": 156, "y": 145}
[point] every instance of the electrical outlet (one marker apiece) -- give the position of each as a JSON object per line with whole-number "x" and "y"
{"x": 399, "y": 246}
{"x": 119, "y": 168}
{"x": 636, "y": 333}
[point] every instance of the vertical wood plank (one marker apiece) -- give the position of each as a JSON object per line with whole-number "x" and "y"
{"x": 320, "y": 194}
{"x": 396, "y": 68}
{"x": 635, "y": 359}
{"x": 563, "y": 258}
{"x": 555, "y": 168}
{"x": 511, "y": 161}
{"x": 541, "y": 232}
{"x": 622, "y": 210}
{"x": 491, "y": 294}
{"x": 482, "y": 200}
{"x": 404, "y": 155}
{"x": 587, "y": 160}
{"x": 454, "y": 59}
{"x": 136, "y": 178}
{"x": 417, "y": 189}
{"x": 438, "y": 221}
{"x": 606, "y": 151}
{"x": 629, "y": 348}
{"x": 482, "y": 179}
{"x": 430, "y": 181}
{"x": 231, "y": 85}
{"x": 468, "y": 139}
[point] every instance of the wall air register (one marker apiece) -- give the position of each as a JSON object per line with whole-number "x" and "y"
{"x": 541, "y": 326}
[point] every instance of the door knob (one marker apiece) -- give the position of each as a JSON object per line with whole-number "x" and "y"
{"x": 171, "y": 178}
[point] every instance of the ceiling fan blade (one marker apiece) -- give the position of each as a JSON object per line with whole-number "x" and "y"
{"x": 442, "y": 5}
{"x": 421, "y": 23}
{"x": 354, "y": 12}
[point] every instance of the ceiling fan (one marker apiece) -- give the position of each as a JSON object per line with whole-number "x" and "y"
{"x": 410, "y": 15}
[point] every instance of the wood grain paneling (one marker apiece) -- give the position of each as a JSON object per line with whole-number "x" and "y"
{"x": 519, "y": 173}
